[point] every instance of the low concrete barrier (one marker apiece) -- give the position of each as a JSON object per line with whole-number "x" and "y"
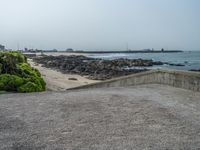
{"x": 182, "y": 79}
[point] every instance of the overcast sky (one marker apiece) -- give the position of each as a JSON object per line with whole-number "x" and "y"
{"x": 100, "y": 24}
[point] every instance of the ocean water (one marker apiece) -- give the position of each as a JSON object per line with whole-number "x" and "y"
{"x": 191, "y": 59}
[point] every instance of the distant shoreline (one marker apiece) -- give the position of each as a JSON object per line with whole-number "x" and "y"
{"x": 127, "y": 51}
{"x": 82, "y": 52}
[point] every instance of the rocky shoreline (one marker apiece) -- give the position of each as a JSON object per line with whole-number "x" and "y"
{"x": 195, "y": 70}
{"x": 95, "y": 69}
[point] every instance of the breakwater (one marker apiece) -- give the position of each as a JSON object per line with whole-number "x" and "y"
{"x": 128, "y": 51}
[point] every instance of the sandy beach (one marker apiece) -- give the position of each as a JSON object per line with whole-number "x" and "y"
{"x": 57, "y": 81}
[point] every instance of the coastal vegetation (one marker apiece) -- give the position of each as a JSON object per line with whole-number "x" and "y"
{"x": 16, "y": 75}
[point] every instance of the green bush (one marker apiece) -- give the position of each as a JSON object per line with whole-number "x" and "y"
{"x": 4, "y": 79}
{"x": 18, "y": 84}
{"x": 9, "y": 60}
{"x": 29, "y": 87}
{"x": 28, "y": 70}
{"x": 32, "y": 75}
{"x": 38, "y": 81}
{"x": 1, "y": 68}
{"x": 19, "y": 57}
{"x": 17, "y": 75}
{"x": 10, "y": 82}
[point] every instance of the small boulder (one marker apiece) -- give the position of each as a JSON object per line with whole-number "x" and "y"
{"x": 74, "y": 79}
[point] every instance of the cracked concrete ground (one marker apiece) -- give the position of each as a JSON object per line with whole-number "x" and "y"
{"x": 141, "y": 117}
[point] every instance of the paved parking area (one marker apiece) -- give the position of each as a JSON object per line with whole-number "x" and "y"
{"x": 139, "y": 117}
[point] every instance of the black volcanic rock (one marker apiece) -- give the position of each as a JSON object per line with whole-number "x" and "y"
{"x": 97, "y": 69}
{"x": 195, "y": 70}
{"x": 181, "y": 65}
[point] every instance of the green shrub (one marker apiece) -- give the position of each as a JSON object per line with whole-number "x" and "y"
{"x": 29, "y": 87}
{"x": 9, "y": 60}
{"x": 19, "y": 57}
{"x": 17, "y": 75}
{"x": 10, "y": 82}
{"x": 37, "y": 80}
{"x": 32, "y": 75}
{"x": 18, "y": 84}
{"x": 4, "y": 78}
{"x": 1, "y": 68}
{"x": 28, "y": 70}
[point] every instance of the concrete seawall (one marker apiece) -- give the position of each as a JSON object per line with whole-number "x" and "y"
{"x": 182, "y": 79}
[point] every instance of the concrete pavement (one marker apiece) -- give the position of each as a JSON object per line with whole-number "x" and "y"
{"x": 140, "y": 117}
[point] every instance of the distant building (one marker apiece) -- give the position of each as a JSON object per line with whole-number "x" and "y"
{"x": 146, "y": 49}
{"x": 25, "y": 49}
{"x": 162, "y": 49}
{"x": 69, "y": 50}
{"x": 79, "y": 51}
{"x": 38, "y": 50}
{"x": 2, "y": 47}
{"x": 54, "y": 50}
{"x": 31, "y": 51}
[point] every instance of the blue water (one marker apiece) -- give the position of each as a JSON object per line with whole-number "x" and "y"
{"x": 191, "y": 59}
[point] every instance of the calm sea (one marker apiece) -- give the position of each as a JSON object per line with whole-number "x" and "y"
{"x": 191, "y": 59}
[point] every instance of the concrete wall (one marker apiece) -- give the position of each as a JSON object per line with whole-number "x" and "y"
{"x": 182, "y": 79}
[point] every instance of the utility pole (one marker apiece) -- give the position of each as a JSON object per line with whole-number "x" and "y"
{"x": 127, "y": 47}
{"x": 17, "y": 46}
